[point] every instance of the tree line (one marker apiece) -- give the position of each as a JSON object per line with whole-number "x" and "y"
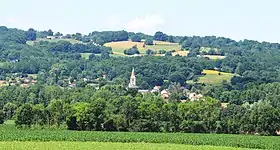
{"x": 113, "y": 108}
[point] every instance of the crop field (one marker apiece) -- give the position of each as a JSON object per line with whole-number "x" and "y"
{"x": 102, "y": 146}
{"x": 10, "y": 134}
{"x": 119, "y": 47}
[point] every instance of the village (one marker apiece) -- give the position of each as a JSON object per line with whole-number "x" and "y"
{"x": 164, "y": 93}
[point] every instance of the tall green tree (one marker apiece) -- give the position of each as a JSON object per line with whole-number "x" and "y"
{"x": 31, "y": 35}
{"x": 24, "y": 115}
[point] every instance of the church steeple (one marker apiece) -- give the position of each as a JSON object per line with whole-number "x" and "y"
{"x": 132, "y": 83}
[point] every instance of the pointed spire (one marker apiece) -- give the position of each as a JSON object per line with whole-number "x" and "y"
{"x": 132, "y": 83}
{"x": 132, "y": 73}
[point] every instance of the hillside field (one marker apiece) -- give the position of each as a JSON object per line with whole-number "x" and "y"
{"x": 119, "y": 47}
{"x": 213, "y": 77}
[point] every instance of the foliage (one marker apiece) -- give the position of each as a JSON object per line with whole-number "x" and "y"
{"x": 149, "y": 42}
{"x": 113, "y": 108}
{"x": 24, "y": 115}
{"x": 132, "y": 51}
{"x": 9, "y": 110}
{"x": 31, "y": 35}
{"x": 136, "y": 38}
{"x": 159, "y": 36}
{"x": 150, "y": 52}
{"x": 107, "y": 36}
{"x": 2, "y": 117}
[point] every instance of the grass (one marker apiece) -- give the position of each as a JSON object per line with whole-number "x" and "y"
{"x": 181, "y": 53}
{"x": 102, "y": 146}
{"x": 9, "y": 134}
{"x": 207, "y": 49}
{"x": 214, "y": 57}
{"x": 85, "y": 55}
{"x": 213, "y": 77}
{"x": 119, "y": 47}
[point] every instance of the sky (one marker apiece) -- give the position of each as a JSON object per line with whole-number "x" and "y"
{"x": 236, "y": 19}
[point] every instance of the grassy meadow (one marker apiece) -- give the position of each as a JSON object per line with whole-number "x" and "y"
{"x": 213, "y": 77}
{"x": 119, "y": 47}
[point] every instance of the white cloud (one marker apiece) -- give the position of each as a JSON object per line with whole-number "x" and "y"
{"x": 145, "y": 24}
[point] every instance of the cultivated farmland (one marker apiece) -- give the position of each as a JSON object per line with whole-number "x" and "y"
{"x": 102, "y": 146}
{"x": 71, "y": 139}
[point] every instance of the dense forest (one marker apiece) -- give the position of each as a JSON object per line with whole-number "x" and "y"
{"x": 253, "y": 94}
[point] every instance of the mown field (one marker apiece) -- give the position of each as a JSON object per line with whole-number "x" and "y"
{"x": 65, "y": 145}
{"x": 213, "y": 77}
{"x": 10, "y": 134}
{"x": 119, "y": 47}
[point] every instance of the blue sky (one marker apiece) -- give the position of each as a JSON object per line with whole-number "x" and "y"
{"x": 236, "y": 19}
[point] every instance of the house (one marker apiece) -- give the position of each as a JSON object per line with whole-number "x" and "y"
{"x": 13, "y": 60}
{"x": 51, "y": 37}
{"x": 156, "y": 89}
{"x": 224, "y": 105}
{"x": 72, "y": 85}
{"x": 194, "y": 96}
{"x": 165, "y": 94}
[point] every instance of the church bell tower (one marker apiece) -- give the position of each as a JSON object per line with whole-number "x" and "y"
{"x": 132, "y": 83}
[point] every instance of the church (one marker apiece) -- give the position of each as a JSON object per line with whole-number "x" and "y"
{"x": 132, "y": 83}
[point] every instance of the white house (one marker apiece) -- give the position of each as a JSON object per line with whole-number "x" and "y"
{"x": 194, "y": 96}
